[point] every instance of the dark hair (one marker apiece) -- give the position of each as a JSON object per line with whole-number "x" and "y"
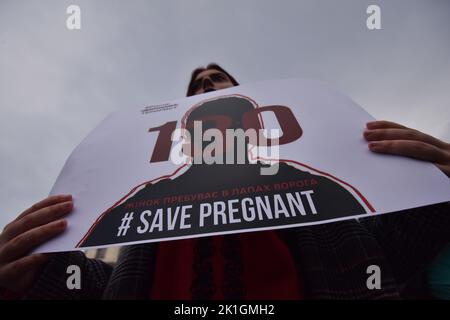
{"x": 211, "y": 66}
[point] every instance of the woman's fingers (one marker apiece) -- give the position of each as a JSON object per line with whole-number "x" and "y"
{"x": 25, "y": 242}
{"x": 402, "y": 134}
{"x": 45, "y": 203}
{"x": 414, "y": 149}
{"x": 382, "y": 124}
{"x": 36, "y": 218}
{"x": 393, "y": 138}
{"x": 30, "y": 229}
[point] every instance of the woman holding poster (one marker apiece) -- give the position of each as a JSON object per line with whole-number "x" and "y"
{"x": 325, "y": 261}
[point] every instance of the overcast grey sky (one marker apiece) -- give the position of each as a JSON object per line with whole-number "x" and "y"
{"x": 56, "y": 84}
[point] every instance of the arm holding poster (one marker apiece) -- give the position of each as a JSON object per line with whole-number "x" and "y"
{"x": 29, "y": 276}
{"x": 412, "y": 240}
{"x": 36, "y": 225}
{"x": 393, "y": 138}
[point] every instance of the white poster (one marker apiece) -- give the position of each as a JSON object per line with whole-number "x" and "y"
{"x": 175, "y": 170}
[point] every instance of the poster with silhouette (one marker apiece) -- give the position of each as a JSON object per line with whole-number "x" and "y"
{"x": 268, "y": 155}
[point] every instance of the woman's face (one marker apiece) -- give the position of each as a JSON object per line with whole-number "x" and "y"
{"x": 211, "y": 80}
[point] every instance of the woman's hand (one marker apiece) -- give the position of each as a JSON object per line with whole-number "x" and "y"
{"x": 33, "y": 227}
{"x": 392, "y": 138}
